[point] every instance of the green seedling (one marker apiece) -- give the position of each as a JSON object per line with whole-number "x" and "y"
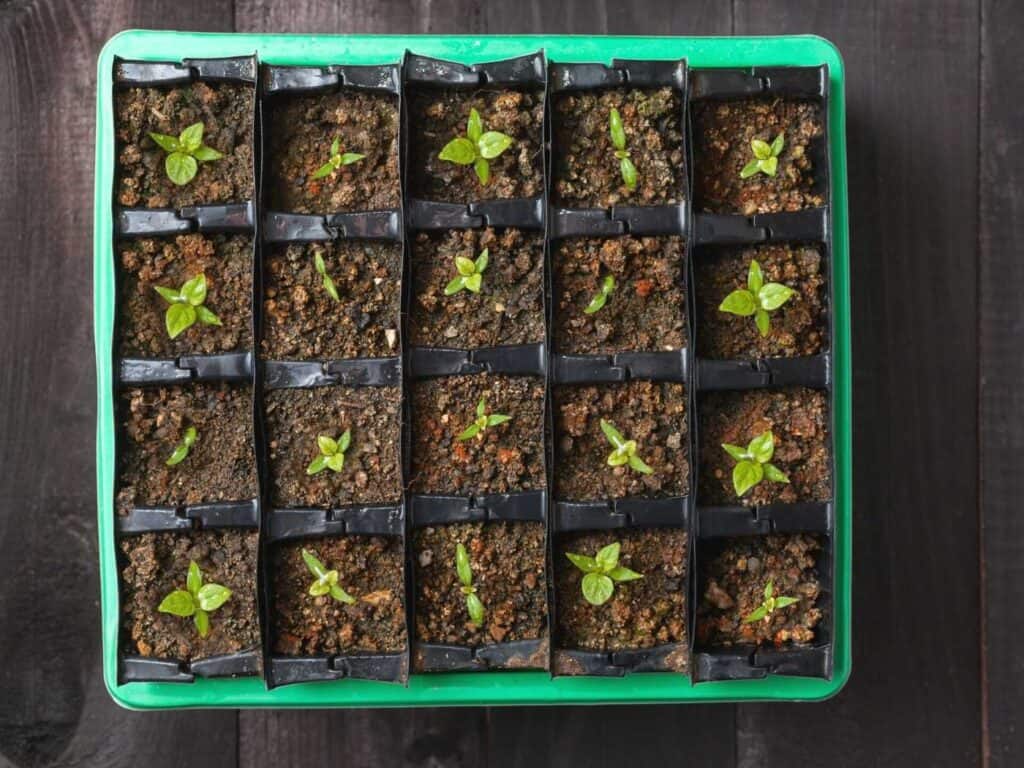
{"x": 626, "y": 166}
{"x": 470, "y": 274}
{"x": 476, "y": 148}
{"x": 601, "y": 297}
{"x": 752, "y": 463}
{"x": 465, "y": 571}
{"x": 181, "y": 449}
{"x": 482, "y": 422}
{"x": 198, "y": 600}
{"x": 326, "y": 582}
{"x": 184, "y": 153}
{"x": 601, "y": 573}
{"x": 766, "y": 157}
{"x": 758, "y": 299}
{"x": 336, "y": 160}
{"x": 186, "y": 306}
{"x": 321, "y": 268}
{"x": 625, "y": 450}
{"x": 769, "y": 604}
{"x": 332, "y": 453}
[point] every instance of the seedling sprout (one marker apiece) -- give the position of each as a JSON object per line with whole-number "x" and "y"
{"x": 766, "y": 157}
{"x": 482, "y": 422}
{"x": 625, "y": 450}
{"x": 476, "y": 148}
{"x": 332, "y": 453}
{"x": 186, "y": 306}
{"x": 184, "y": 153}
{"x": 769, "y": 605}
{"x": 197, "y": 600}
{"x": 618, "y": 133}
{"x": 326, "y": 582}
{"x": 752, "y": 463}
{"x": 470, "y": 273}
{"x": 601, "y": 573}
{"x": 758, "y": 299}
{"x": 465, "y": 573}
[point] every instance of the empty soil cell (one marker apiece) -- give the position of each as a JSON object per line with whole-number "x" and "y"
{"x": 221, "y": 465}
{"x": 370, "y": 569}
{"x": 651, "y": 413}
{"x": 587, "y": 172}
{"x": 156, "y": 564}
{"x": 505, "y": 458}
{"x": 723, "y": 131}
{"x": 302, "y": 129}
{"x": 733, "y": 580}
{"x": 798, "y": 419}
{"x": 642, "y": 613}
{"x": 508, "y": 564}
{"x": 509, "y": 309}
{"x": 645, "y": 311}
{"x": 371, "y": 474}
{"x": 436, "y": 116}
{"x": 227, "y": 113}
{"x": 225, "y": 260}
{"x": 301, "y": 321}
{"x": 799, "y": 327}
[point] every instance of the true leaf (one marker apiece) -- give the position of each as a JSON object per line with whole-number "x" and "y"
{"x": 755, "y": 277}
{"x": 492, "y": 144}
{"x": 761, "y": 149}
{"x": 202, "y": 622}
{"x": 165, "y": 142}
{"x": 194, "y": 290}
{"x": 181, "y": 168}
{"x": 465, "y": 267}
{"x": 777, "y": 144}
{"x": 750, "y": 169}
{"x": 617, "y": 458}
{"x": 775, "y": 474}
{"x": 336, "y": 462}
{"x": 192, "y": 137}
{"x": 474, "y": 282}
{"x": 179, "y": 603}
{"x": 762, "y": 447}
{"x": 319, "y": 588}
{"x": 456, "y": 285}
{"x": 461, "y": 151}
{"x": 497, "y": 418}
{"x": 474, "y": 126}
{"x": 770, "y": 165}
{"x": 759, "y": 613}
{"x": 207, "y": 154}
{"x": 774, "y": 295}
{"x": 745, "y": 475}
{"x": 319, "y": 464}
{"x": 608, "y": 556}
{"x": 782, "y": 602}
{"x": 179, "y": 318}
{"x": 597, "y": 588}
{"x": 345, "y": 440}
{"x": 735, "y": 451}
{"x": 763, "y": 322}
{"x": 468, "y": 432}
{"x": 585, "y": 563}
{"x": 621, "y": 573}
{"x": 483, "y": 170}
{"x": 740, "y": 302}
{"x": 213, "y": 596}
{"x": 482, "y": 260}
{"x": 328, "y": 445}
{"x": 206, "y": 317}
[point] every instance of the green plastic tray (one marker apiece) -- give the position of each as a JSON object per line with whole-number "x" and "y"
{"x": 468, "y": 688}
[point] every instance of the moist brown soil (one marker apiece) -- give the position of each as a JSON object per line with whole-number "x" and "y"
{"x": 372, "y": 472}
{"x": 641, "y": 613}
{"x": 227, "y": 113}
{"x": 799, "y": 327}
{"x": 797, "y": 417}
{"x": 438, "y": 116}
{"x": 507, "y": 458}
{"x": 170, "y": 262}
{"x": 733, "y": 583}
{"x": 646, "y": 312}
{"x": 723, "y": 131}
{"x": 652, "y": 413}
{"x": 510, "y": 306}
{"x": 370, "y": 569}
{"x": 302, "y": 130}
{"x": 221, "y": 466}
{"x": 302, "y": 322}
{"x": 157, "y": 564}
{"x": 587, "y": 173}
{"x": 508, "y": 563}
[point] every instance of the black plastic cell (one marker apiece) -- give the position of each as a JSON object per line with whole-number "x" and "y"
{"x": 239, "y": 69}
{"x": 276, "y": 80}
{"x": 805, "y": 82}
{"x": 517, "y": 654}
{"x": 384, "y": 667}
{"x": 522, "y": 70}
{"x": 622, "y": 72}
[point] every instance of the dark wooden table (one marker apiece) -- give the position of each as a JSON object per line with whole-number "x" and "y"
{"x": 936, "y": 168}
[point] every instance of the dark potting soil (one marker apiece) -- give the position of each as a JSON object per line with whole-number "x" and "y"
{"x": 221, "y": 465}
{"x": 438, "y": 116}
{"x": 302, "y": 322}
{"x": 226, "y": 260}
{"x": 508, "y": 564}
{"x": 723, "y": 131}
{"x": 507, "y": 457}
{"x": 372, "y": 470}
{"x": 733, "y": 583}
{"x": 652, "y": 413}
{"x": 646, "y": 310}
{"x": 157, "y": 564}
{"x": 227, "y": 113}
{"x": 640, "y": 614}
{"x": 799, "y": 327}
{"x": 510, "y": 306}
{"x": 302, "y": 131}
{"x": 587, "y": 173}
{"x": 798, "y": 418}
{"x": 370, "y": 569}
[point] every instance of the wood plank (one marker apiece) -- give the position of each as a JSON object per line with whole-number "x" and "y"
{"x": 359, "y": 16}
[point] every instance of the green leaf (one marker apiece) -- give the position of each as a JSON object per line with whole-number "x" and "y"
{"x": 475, "y": 609}
{"x": 608, "y": 556}
{"x": 202, "y": 622}
{"x": 492, "y": 144}
{"x": 171, "y": 295}
{"x": 497, "y": 418}
{"x": 774, "y": 295}
{"x": 597, "y": 303}
{"x": 762, "y": 447}
{"x": 319, "y": 588}
{"x": 474, "y": 282}
{"x": 761, "y": 149}
{"x": 628, "y": 171}
{"x": 483, "y": 170}
{"x": 331, "y": 289}
{"x": 597, "y": 588}
{"x": 456, "y": 285}
{"x": 468, "y": 432}
{"x": 636, "y": 463}
{"x": 351, "y": 157}
{"x": 313, "y": 563}
{"x": 608, "y": 284}
{"x": 614, "y": 436}
{"x": 206, "y": 317}
{"x": 769, "y": 166}
{"x": 474, "y": 126}
{"x": 759, "y": 613}
{"x": 178, "y": 456}
{"x": 318, "y": 262}
{"x": 745, "y": 475}
{"x": 328, "y": 445}
{"x": 750, "y": 169}
{"x": 191, "y": 435}
{"x": 462, "y": 566}
{"x": 617, "y": 458}
{"x": 465, "y": 267}
{"x": 206, "y": 154}
{"x": 345, "y": 440}
{"x": 191, "y": 138}
{"x": 763, "y": 322}
{"x": 165, "y": 142}
{"x": 460, "y": 151}
{"x": 735, "y": 451}
{"x": 213, "y": 596}
{"x": 585, "y": 563}
{"x": 194, "y": 290}
{"x": 482, "y": 261}
{"x": 481, "y": 407}
{"x": 340, "y": 594}
{"x": 621, "y": 573}
{"x": 778, "y": 143}
{"x": 336, "y": 146}
{"x": 775, "y": 474}
{"x": 194, "y": 580}
{"x": 769, "y": 588}
{"x": 317, "y": 465}
{"x": 324, "y": 170}
{"x": 755, "y": 277}
{"x": 616, "y": 130}
{"x": 179, "y": 603}
{"x": 181, "y": 168}
{"x": 782, "y": 602}
{"x": 740, "y": 302}
{"x": 179, "y": 318}
{"x": 336, "y": 463}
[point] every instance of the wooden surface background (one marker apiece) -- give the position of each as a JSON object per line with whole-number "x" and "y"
{"x": 936, "y": 164}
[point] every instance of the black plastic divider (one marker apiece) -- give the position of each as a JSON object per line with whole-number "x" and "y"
{"x": 512, "y": 360}
{"x": 154, "y": 222}
{"x": 356, "y": 372}
{"x": 522, "y": 213}
{"x": 307, "y": 228}
{"x": 623, "y": 366}
{"x": 231, "y": 366}
{"x": 621, "y": 513}
{"x": 814, "y": 371}
{"x": 224, "y": 514}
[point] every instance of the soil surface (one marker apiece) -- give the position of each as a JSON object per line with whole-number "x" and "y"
{"x": 798, "y": 418}
{"x": 507, "y": 458}
{"x": 723, "y": 131}
{"x": 296, "y": 417}
{"x": 652, "y": 413}
{"x": 646, "y": 311}
{"x": 508, "y": 563}
{"x": 302, "y": 130}
{"x": 510, "y": 306}
{"x": 733, "y": 582}
{"x": 587, "y": 173}
{"x": 799, "y": 327}
{"x": 157, "y": 564}
{"x": 438, "y": 116}
{"x": 227, "y": 112}
{"x": 302, "y": 322}
{"x": 221, "y": 466}
{"x": 370, "y": 569}
{"x": 226, "y": 260}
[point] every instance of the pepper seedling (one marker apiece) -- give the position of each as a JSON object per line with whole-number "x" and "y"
{"x": 752, "y": 463}
{"x": 476, "y": 148}
{"x": 601, "y": 297}
{"x": 758, "y": 299}
{"x": 470, "y": 273}
{"x": 321, "y": 269}
{"x": 766, "y": 157}
{"x": 336, "y": 160}
{"x": 626, "y": 167}
{"x": 482, "y": 422}
{"x": 625, "y": 450}
{"x": 184, "y": 153}
{"x": 198, "y": 600}
{"x": 186, "y": 306}
{"x": 601, "y": 573}
{"x": 326, "y": 582}
{"x": 769, "y": 605}
{"x": 181, "y": 449}
{"x": 332, "y": 453}
{"x": 465, "y": 572}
